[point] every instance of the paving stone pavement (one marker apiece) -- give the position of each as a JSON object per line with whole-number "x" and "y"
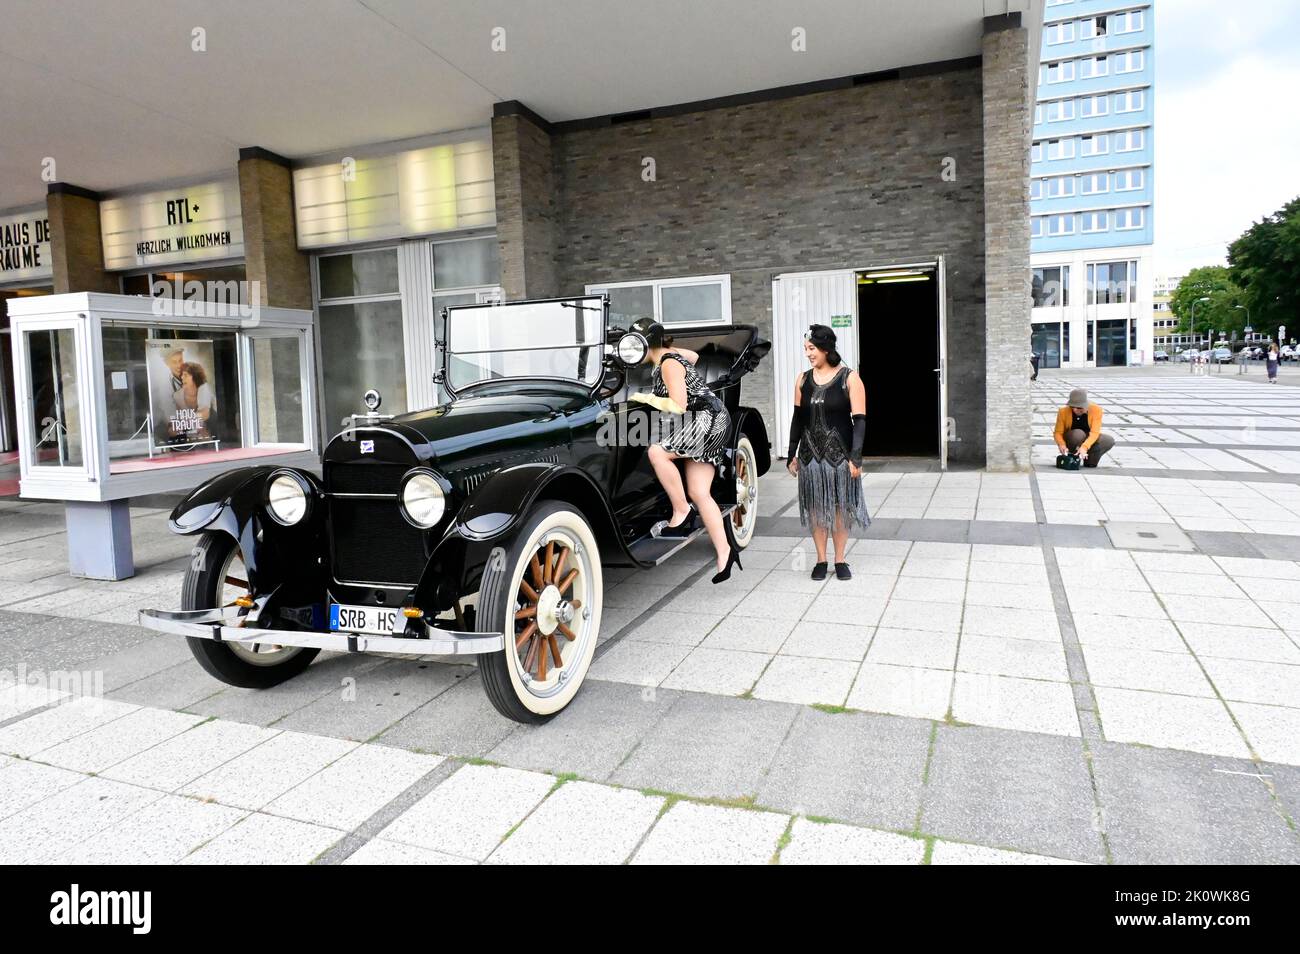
{"x": 1000, "y": 682}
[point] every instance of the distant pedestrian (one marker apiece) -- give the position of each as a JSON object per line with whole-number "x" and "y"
{"x": 1033, "y": 360}
{"x": 1274, "y": 357}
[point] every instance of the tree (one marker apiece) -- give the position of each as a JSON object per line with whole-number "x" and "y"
{"x": 1220, "y": 313}
{"x": 1265, "y": 262}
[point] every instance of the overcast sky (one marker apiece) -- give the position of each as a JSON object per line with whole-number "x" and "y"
{"x": 1227, "y": 123}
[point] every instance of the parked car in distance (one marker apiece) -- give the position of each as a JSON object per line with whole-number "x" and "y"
{"x": 1286, "y": 353}
{"x": 1160, "y": 356}
{"x": 1221, "y": 355}
{"x": 1187, "y": 355}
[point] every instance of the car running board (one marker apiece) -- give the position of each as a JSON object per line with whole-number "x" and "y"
{"x": 651, "y": 551}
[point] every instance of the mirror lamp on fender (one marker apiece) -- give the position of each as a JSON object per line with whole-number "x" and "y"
{"x": 286, "y": 498}
{"x": 423, "y": 499}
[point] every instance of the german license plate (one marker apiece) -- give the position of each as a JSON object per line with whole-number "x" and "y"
{"x": 376, "y": 620}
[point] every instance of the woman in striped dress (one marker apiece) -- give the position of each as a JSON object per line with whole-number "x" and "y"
{"x": 699, "y": 437}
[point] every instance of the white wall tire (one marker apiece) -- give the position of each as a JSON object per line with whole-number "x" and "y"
{"x": 543, "y": 606}
{"x": 745, "y": 517}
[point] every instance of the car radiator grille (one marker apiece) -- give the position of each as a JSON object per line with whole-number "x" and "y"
{"x": 371, "y": 540}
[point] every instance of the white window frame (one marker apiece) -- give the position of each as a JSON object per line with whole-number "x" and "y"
{"x": 1127, "y": 176}
{"x": 1036, "y": 227}
{"x": 1100, "y": 216}
{"x": 1064, "y": 183}
{"x": 1090, "y": 106}
{"x": 1036, "y": 152}
{"x": 1100, "y": 145}
{"x": 1100, "y": 66}
{"x": 1130, "y": 101}
{"x": 1128, "y": 215}
{"x": 1060, "y": 110}
{"x": 1064, "y": 150}
{"x": 1130, "y": 21}
{"x": 1066, "y": 219}
{"x": 1035, "y": 188}
{"x": 1124, "y": 61}
{"x": 1091, "y": 179}
{"x": 1054, "y": 34}
{"x": 1126, "y": 137}
{"x": 1064, "y": 71}
{"x": 1088, "y": 27}
{"x": 657, "y": 286}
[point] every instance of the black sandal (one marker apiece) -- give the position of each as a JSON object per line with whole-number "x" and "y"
{"x": 842, "y": 572}
{"x": 819, "y": 571}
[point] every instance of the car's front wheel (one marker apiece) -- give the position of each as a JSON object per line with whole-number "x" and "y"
{"x": 217, "y": 577}
{"x": 544, "y": 592}
{"x": 745, "y": 517}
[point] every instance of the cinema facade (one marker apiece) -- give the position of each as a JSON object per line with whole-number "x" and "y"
{"x": 890, "y": 205}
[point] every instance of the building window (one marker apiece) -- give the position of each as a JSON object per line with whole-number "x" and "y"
{"x": 1036, "y": 227}
{"x": 1130, "y": 62}
{"x": 1051, "y": 286}
{"x": 1059, "y": 186}
{"x": 1060, "y": 110}
{"x": 1036, "y": 152}
{"x": 1092, "y": 222}
{"x": 1131, "y": 140}
{"x": 360, "y": 332}
{"x": 1127, "y": 180}
{"x": 1094, "y": 27}
{"x": 1060, "y": 224}
{"x": 1093, "y": 145}
{"x": 1060, "y": 149}
{"x": 672, "y": 301}
{"x": 1056, "y": 33}
{"x": 1130, "y": 102}
{"x": 1093, "y": 66}
{"x": 1094, "y": 106}
{"x": 1129, "y": 218}
{"x": 1112, "y": 283}
{"x": 1035, "y": 188}
{"x": 1061, "y": 72}
{"x": 1130, "y": 22}
{"x": 1095, "y": 182}
{"x": 1038, "y": 114}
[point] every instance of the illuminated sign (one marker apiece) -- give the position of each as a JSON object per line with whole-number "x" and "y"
{"x": 180, "y": 226}
{"x": 25, "y": 248}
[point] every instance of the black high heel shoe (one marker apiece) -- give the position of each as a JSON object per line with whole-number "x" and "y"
{"x": 683, "y": 529}
{"x": 725, "y": 572}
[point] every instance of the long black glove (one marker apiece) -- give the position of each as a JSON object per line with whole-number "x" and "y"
{"x": 859, "y": 438}
{"x": 796, "y": 432}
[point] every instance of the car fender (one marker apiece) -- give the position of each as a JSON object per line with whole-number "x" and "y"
{"x": 233, "y": 503}
{"x": 498, "y": 505}
{"x": 749, "y": 423}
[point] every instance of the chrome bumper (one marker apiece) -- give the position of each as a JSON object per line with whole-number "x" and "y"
{"x": 211, "y": 624}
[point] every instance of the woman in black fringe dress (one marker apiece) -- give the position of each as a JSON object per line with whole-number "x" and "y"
{"x": 826, "y": 436}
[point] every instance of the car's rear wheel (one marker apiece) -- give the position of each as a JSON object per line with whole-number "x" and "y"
{"x": 216, "y": 578}
{"x": 544, "y": 592}
{"x": 745, "y": 516}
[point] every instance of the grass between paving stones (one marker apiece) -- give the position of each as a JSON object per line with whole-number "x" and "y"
{"x": 782, "y": 842}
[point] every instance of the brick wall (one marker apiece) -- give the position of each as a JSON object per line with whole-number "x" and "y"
{"x": 844, "y": 178}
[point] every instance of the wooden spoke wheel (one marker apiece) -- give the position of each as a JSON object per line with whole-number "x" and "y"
{"x": 545, "y": 597}
{"x": 745, "y": 515}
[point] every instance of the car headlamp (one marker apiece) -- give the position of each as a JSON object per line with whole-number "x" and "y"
{"x": 423, "y": 500}
{"x": 632, "y": 348}
{"x": 287, "y": 498}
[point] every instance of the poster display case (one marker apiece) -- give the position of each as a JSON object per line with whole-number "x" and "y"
{"x": 120, "y": 396}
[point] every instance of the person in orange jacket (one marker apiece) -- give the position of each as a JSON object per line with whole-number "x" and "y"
{"x": 1078, "y": 429}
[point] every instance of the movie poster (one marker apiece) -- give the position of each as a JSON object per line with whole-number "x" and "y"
{"x": 182, "y": 391}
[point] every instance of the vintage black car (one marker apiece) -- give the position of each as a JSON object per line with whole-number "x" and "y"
{"x": 479, "y": 526}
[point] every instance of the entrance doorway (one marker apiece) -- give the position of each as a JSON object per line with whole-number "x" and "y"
{"x": 1112, "y": 343}
{"x": 899, "y": 354}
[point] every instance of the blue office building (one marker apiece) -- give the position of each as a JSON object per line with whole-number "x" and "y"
{"x": 1091, "y": 184}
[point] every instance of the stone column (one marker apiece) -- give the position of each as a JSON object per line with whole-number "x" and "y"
{"x": 271, "y": 256}
{"x": 76, "y": 243}
{"x": 525, "y": 202}
{"x": 1006, "y": 243}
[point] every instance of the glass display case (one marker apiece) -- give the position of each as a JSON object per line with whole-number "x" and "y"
{"x": 120, "y": 396}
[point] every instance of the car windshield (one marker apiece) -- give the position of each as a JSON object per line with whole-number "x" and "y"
{"x": 563, "y": 338}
